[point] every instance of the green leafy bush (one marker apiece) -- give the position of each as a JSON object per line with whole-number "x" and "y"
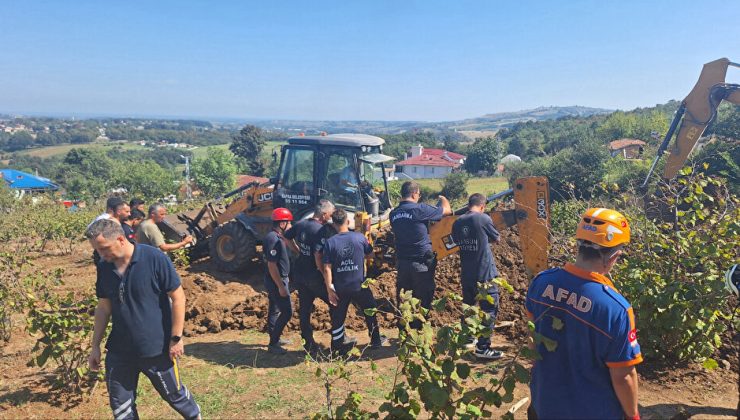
{"x": 454, "y": 186}
{"x": 673, "y": 272}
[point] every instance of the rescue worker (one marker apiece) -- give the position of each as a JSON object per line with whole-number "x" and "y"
{"x": 304, "y": 272}
{"x": 276, "y": 281}
{"x": 472, "y": 232}
{"x": 415, "y": 260}
{"x": 591, "y": 372}
{"x": 137, "y": 286}
{"x": 344, "y": 257}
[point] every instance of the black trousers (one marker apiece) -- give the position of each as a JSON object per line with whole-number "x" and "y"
{"x": 122, "y": 377}
{"x": 419, "y": 278}
{"x": 365, "y": 300}
{"x": 279, "y": 310}
{"x": 469, "y": 292}
{"x": 309, "y": 288}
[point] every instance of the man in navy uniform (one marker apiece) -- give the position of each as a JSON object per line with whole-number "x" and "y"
{"x": 344, "y": 257}
{"x": 305, "y": 273}
{"x": 472, "y": 232}
{"x": 135, "y": 285}
{"x": 276, "y": 282}
{"x": 416, "y": 262}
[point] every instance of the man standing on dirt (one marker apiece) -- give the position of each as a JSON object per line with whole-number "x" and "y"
{"x": 304, "y": 272}
{"x": 591, "y": 372}
{"x": 148, "y": 232}
{"x": 344, "y": 257}
{"x": 471, "y": 232}
{"x": 276, "y": 255}
{"x": 416, "y": 262}
{"x": 139, "y": 288}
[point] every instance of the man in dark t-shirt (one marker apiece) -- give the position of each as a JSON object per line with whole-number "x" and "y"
{"x": 415, "y": 262}
{"x": 276, "y": 281}
{"x": 135, "y": 285}
{"x": 344, "y": 273}
{"x": 305, "y": 274}
{"x": 472, "y": 232}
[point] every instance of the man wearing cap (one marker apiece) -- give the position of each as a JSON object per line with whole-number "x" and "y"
{"x": 275, "y": 253}
{"x": 590, "y": 372}
{"x": 416, "y": 262}
{"x": 148, "y": 232}
{"x": 472, "y": 232}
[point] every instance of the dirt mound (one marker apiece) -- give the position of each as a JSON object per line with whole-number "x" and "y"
{"x": 218, "y": 301}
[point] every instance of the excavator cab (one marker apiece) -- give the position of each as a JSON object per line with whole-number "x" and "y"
{"x": 347, "y": 169}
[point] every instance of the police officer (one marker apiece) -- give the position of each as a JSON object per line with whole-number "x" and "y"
{"x": 471, "y": 232}
{"x": 344, "y": 257}
{"x": 304, "y": 272}
{"x": 416, "y": 262}
{"x": 591, "y": 372}
{"x": 135, "y": 285}
{"x": 276, "y": 255}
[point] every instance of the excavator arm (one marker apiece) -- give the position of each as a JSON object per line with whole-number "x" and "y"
{"x": 531, "y": 214}
{"x": 695, "y": 114}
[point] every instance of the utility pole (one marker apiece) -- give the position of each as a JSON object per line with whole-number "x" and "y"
{"x": 188, "y": 190}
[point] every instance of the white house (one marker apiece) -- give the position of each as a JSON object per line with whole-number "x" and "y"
{"x": 428, "y": 163}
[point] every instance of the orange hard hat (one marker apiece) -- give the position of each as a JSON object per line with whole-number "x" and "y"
{"x": 603, "y": 227}
{"x": 281, "y": 214}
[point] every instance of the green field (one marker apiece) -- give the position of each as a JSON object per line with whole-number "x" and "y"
{"x": 485, "y": 186}
{"x": 62, "y": 149}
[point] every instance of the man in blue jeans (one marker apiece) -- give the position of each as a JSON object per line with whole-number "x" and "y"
{"x": 276, "y": 255}
{"x": 472, "y": 233}
{"x": 135, "y": 285}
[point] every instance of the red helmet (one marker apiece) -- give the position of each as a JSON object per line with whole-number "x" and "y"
{"x": 281, "y": 214}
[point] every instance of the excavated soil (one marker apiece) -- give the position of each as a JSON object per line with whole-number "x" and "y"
{"x": 218, "y": 301}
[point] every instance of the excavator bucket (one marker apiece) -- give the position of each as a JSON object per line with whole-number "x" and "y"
{"x": 700, "y": 107}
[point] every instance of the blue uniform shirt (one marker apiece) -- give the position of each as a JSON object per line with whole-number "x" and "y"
{"x": 346, "y": 253}
{"x": 306, "y": 235}
{"x": 471, "y": 233}
{"x": 274, "y": 250}
{"x": 142, "y": 320}
{"x": 594, "y": 328}
{"x": 409, "y": 222}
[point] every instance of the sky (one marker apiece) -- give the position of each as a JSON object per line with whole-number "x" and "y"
{"x": 354, "y": 60}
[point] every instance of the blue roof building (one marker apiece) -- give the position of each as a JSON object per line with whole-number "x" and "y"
{"x": 26, "y": 182}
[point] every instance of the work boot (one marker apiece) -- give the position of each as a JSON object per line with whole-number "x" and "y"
{"x": 488, "y": 353}
{"x": 276, "y": 349}
{"x": 382, "y": 342}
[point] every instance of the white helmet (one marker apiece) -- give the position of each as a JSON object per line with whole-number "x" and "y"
{"x": 732, "y": 280}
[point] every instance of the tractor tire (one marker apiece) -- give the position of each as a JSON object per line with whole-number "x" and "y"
{"x": 232, "y": 247}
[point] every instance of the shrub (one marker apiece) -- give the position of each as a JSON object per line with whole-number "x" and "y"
{"x": 454, "y": 186}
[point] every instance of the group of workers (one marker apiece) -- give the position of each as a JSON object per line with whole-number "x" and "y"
{"x": 590, "y": 372}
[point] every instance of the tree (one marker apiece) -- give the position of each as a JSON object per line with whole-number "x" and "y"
{"x": 19, "y": 141}
{"x": 454, "y": 185}
{"x": 215, "y": 174}
{"x": 483, "y": 155}
{"x": 248, "y": 144}
{"x": 516, "y": 147}
{"x": 146, "y": 180}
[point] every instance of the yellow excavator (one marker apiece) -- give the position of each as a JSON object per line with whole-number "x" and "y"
{"x": 319, "y": 167}
{"x": 696, "y": 112}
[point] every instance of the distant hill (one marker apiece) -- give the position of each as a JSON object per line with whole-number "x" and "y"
{"x": 507, "y": 119}
{"x": 488, "y": 122}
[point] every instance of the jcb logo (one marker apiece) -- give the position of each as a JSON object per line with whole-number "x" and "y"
{"x": 264, "y": 197}
{"x": 541, "y": 205}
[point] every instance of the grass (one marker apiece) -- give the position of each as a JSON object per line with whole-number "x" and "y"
{"x": 485, "y": 186}
{"x": 62, "y": 149}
